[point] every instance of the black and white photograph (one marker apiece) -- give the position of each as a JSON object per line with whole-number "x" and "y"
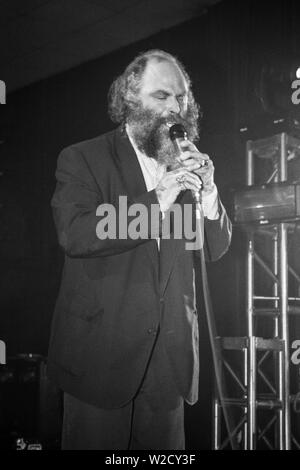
{"x": 150, "y": 227}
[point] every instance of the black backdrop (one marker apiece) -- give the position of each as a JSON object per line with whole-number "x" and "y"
{"x": 223, "y": 51}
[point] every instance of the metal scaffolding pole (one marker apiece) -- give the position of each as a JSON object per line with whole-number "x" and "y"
{"x": 284, "y": 323}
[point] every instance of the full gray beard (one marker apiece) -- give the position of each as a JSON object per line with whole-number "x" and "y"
{"x": 163, "y": 149}
{"x": 152, "y": 138}
{"x": 151, "y": 134}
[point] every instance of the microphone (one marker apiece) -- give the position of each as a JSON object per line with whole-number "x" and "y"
{"x": 177, "y": 134}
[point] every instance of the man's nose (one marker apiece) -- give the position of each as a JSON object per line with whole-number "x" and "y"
{"x": 173, "y": 105}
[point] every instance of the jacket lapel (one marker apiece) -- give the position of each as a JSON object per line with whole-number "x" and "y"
{"x": 129, "y": 166}
{"x": 168, "y": 252}
{"x": 171, "y": 248}
{"x": 133, "y": 179}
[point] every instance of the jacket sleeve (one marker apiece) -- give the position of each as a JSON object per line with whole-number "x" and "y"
{"x": 217, "y": 235}
{"x": 75, "y": 205}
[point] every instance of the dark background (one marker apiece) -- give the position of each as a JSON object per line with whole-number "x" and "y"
{"x": 223, "y": 51}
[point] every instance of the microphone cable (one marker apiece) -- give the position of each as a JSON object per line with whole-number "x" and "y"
{"x": 177, "y": 133}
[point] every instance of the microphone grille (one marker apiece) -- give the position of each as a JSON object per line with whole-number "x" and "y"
{"x": 177, "y": 131}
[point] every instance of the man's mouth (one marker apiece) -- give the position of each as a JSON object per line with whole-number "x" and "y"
{"x": 171, "y": 122}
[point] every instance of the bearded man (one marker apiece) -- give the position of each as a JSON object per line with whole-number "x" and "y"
{"x": 124, "y": 343}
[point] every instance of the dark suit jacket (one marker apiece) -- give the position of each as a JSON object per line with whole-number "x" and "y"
{"x": 116, "y": 294}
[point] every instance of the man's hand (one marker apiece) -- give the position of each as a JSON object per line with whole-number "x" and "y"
{"x": 175, "y": 181}
{"x": 190, "y": 156}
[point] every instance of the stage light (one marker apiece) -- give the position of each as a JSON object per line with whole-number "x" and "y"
{"x": 298, "y": 73}
{"x": 267, "y": 204}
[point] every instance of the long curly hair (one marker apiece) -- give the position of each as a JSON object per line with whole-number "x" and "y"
{"x": 123, "y": 91}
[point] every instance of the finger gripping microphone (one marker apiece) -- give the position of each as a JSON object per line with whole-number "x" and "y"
{"x": 177, "y": 134}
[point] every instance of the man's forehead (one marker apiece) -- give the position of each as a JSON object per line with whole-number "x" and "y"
{"x": 163, "y": 74}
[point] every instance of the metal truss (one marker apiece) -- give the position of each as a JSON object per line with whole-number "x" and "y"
{"x": 256, "y": 368}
